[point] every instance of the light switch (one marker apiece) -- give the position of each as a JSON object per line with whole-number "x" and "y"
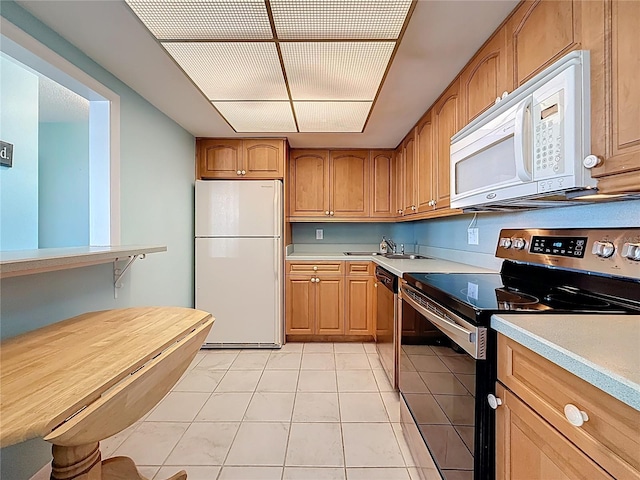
{"x": 319, "y": 234}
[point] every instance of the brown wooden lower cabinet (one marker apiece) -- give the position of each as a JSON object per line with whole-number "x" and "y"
{"x": 528, "y": 448}
{"x": 329, "y": 300}
{"x": 534, "y": 439}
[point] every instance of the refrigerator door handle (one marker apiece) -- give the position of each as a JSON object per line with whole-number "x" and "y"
{"x": 277, "y": 206}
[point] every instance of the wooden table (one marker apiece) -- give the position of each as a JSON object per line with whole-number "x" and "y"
{"x": 81, "y": 380}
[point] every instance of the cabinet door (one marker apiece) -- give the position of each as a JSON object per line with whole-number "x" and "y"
{"x": 399, "y": 168}
{"x": 360, "y": 305}
{"x": 615, "y": 96}
{"x": 426, "y": 171}
{"x": 529, "y": 448}
{"x": 446, "y": 119}
{"x": 329, "y": 305}
{"x": 300, "y": 304}
{"x": 349, "y": 183}
{"x": 263, "y": 158}
{"x": 485, "y": 78}
{"x": 220, "y": 158}
{"x": 539, "y": 33}
{"x": 309, "y": 185}
{"x": 409, "y": 205}
{"x": 383, "y": 191}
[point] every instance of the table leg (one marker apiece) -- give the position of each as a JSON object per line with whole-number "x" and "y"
{"x": 81, "y": 462}
{"x": 84, "y": 462}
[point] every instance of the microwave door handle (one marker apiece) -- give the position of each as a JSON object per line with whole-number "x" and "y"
{"x": 522, "y": 140}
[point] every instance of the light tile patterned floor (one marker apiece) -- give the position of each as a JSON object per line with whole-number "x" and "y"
{"x": 309, "y": 411}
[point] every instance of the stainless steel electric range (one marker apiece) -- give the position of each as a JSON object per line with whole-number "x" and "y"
{"x": 448, "y": 355}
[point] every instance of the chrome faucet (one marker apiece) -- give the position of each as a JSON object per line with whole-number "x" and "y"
{"x": 390, "y": 243}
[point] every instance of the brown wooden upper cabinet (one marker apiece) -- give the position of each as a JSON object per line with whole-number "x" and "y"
{"x": 447, "y": 120}
{"x": 309, "y": 183}
{"x": 485, "y": 78}
{"x": 383, "y": 184}
{"x": 330, "y": 184}
{"x": 247, "y": 158}
{"x": 426, "y": 168}
{"x": 539, "y": 33}
{"x": 410, "y": 172}
{"x": 349, "y": 183}
{"x": 615, "y": 92}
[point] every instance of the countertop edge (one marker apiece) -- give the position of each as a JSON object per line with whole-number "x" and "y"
{"x": 593, "y": 373}
{"x": 26, "y": 262}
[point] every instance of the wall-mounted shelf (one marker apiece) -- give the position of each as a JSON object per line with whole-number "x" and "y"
{"x": 28, "y": 262}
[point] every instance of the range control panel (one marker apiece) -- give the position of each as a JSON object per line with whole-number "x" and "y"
{"x": 600, "y": 250}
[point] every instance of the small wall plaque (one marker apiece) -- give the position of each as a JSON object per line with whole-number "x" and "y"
{"x": 6, "y": 154}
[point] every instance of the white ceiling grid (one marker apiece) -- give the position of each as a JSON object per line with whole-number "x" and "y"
{"x": 317, "y": 68}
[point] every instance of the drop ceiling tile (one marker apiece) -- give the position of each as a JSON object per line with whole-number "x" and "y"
{"x": 335, "y": 70}
{"x": 250, "y": 117}
{"x": 204, "y": 20}
{"x": 344, "y": 19}
{"x": 331, "y": 116}
{"x": 232, "y": 70}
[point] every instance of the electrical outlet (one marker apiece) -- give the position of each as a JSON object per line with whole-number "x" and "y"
{"x": 319, "y": 234}
{"x": 472, "y": 236}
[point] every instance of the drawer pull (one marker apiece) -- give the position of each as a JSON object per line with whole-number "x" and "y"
{"x": 315, "y": 269}
{"x": 575, "y": 416}
{"x": 494, "y": 402}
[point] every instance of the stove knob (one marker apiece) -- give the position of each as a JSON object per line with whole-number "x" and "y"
{"x": 631, "y": 251}
{"x": 603, "y": 249}
{"x": 518, "y": 243}
{"x": 505, "y": 242}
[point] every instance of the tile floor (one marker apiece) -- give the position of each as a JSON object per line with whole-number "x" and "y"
{"x": 309, "y": 411}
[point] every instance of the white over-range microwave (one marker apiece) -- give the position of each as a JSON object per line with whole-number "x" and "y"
{"x": 532, "y": 148}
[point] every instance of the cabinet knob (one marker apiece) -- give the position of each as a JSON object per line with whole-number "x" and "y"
{"x": 317, "y": 280}
{"x": 315, "y": 268}
{"x": 591, "y": 161}
{"x": 494, "y": 402}
{"x": 413, "y": 207}
{"x": 331, "y": 213}
{"x": 375, "y": 285}
{"x": 575, "y": 416}
{"x": 313, "y": 280}
{"x": 239, "y": 172}
{"x": 400, "y": 212}
{"x": 326, "y": 212}
{"x": 244, "y": 172}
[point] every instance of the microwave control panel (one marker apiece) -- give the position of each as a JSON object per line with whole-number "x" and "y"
{"x": 548, "y": 152}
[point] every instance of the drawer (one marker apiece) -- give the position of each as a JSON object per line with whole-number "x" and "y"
{"x": 610, "y": 435}
{"x": 315, "y": 267}
{"x": 360, "y": 268}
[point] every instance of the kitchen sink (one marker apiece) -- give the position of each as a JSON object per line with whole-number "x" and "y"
{"x": 391, "y": 256}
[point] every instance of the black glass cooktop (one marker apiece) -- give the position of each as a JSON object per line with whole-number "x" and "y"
{"x": 483, "y": 293}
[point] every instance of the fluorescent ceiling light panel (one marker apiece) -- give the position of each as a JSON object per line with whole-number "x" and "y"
{"x": 331, "y": 116}
{"x": 204, "y": 20}
{"x": 335, "y": 70}
{"x": 252, "y": 117}
{"x": 232, "y": 70}
{"x": 339, "y": 19}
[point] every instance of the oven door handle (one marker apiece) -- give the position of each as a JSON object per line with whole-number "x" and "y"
{"x": 472, "y": 341}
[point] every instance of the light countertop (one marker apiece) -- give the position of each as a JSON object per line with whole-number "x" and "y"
{"x": 603, "y": 350}
{"x": 397, "y": 267}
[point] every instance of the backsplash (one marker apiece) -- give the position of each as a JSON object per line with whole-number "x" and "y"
{"x": 352, "y": 233}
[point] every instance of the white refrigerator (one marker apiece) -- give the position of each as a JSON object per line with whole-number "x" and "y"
{"x": 238, "y": 271}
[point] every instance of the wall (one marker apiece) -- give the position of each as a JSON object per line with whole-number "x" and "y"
{"x": 352, "y": 233}
{"x": 157, "y": 179}
{"x": 19, "y": 183}
{"x": 63, "y": 193}
{"x": 447, "y": 237}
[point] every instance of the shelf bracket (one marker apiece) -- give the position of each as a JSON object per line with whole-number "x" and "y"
{"x": 118, "y": 272}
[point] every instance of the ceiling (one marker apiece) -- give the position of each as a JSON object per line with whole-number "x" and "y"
{"x": 439, "y": 40}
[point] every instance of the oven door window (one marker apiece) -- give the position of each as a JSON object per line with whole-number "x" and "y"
{"x": 437, "y": 381}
